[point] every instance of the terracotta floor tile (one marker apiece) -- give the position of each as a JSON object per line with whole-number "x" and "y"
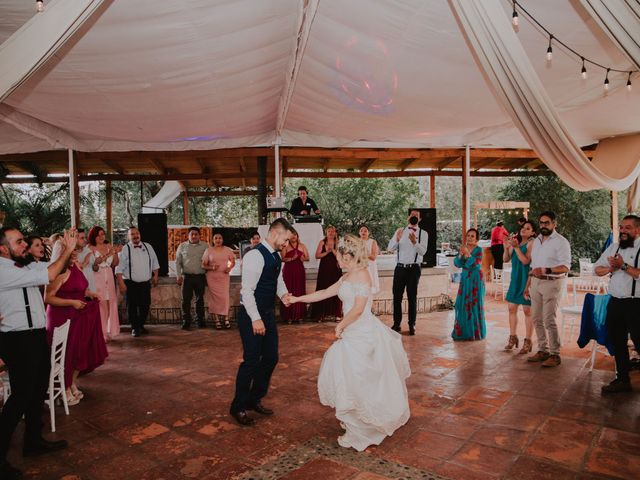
{"x": 424, "y": 443}
{"x": 475, "y": 410}
{"x": 490, "y": 460}
{"x": 321, "y": 468}
{"x": 559, "y": 449}
{"x": 619, "y": 440}
{"x": 454, "y": 425}
{"x": 485, "y": 395}
{"x": 501, "y": 437}
{"x": 459, "y": 472}
{"x": 517, "y": 420}
{"x": 613, "y": 462}
{"x": 528, "y": 468}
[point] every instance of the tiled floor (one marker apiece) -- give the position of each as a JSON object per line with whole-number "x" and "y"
{"x": 158, "y": 410}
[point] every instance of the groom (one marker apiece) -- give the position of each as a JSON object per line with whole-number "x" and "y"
{"x": 261, "y": 280}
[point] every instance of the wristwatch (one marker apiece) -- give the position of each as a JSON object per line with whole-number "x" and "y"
{"x": 624, "y": 267}
{"x": 548, "y": 271}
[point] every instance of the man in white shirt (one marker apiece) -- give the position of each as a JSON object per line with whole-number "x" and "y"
{"x": 550, "y": 262}
{"x": 137, "y": 272}
{"x": 261, "y": 282}
{"x": 23, "y": 343}
{"x": 622, "y": 261}
{"x": 410, "y": 244}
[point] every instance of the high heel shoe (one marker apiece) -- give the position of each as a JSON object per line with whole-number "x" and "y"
{"x": 526, "y": 347}
{"x": 75, "y": 391}
{"x": 71, "y": 399}
{"x": 227, "y": 323}
{"x": 217, "y": 323}
{"x": 513, "y": 342}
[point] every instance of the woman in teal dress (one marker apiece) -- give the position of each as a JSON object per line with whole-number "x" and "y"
{"x": 470, "y": 323}
{"x": 518, "y": 250}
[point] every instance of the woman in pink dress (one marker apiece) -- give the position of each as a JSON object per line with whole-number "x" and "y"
{"x": 294, "y": 278}
{"x": 329, "y": 272}
{"x": 218, "y": 261}
{"x": 68, "y": 298}
{"x": 105, "y": 258}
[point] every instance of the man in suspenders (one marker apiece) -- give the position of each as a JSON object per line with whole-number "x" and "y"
{"x": 136, "y": 272}
{"x": 23, "y": 343}
{"x": 622, "y": 261}
{"x": 410, "y": 244}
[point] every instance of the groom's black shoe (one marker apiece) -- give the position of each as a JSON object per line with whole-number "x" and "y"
{"x": 261, "y": 409}
{"x": 242, "y": 418}
{"x": 396, "y": 328}
{"x": 412, "y": 330}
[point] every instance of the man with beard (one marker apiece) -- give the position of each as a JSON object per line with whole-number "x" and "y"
{"x": 621, "y": 261}
{"x": 261, "y": 281}
{"x": 410, "y": 244}
{"x": 550, "y": 262}
{"x": 23, "y": 343}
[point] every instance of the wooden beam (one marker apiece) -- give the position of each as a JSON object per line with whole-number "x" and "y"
{"x": 432, "y": 191}
{"x": 224, "y": 193}
{"x": 113, "y": 165}
{"x": 157, "y": 164}
{"x": 447, "y": 161}
{"x": 185, "y": 207}
{"x": 484, "y": 163}
{"x": 325, "y": 164}
{"x": 368, "y": 164}
{"x": 615, "y": 227}
{"x": 109, "y": 219}
{"x": 135, "y": 177}
{"x": 407, "y": 163}
{"x": 243, "y": 166}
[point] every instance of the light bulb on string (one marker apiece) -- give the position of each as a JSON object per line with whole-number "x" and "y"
{"x": 583, "y": 72}
{"x": 39, "y": 6}
{"x": 514, "y": 17}
{"x": 629, "y": 82}
{"x": 606, "y": 80}
{"x": 549, "y": 49}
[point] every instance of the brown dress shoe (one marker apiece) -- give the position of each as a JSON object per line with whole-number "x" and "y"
{"x": 242, "y": 418}
{"x": 538, "y": 357}
{"x": 617, "y": 386}
{"x": 552, "y": 361}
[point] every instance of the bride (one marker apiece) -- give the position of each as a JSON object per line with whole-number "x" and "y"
{"x": 363, "y": 373}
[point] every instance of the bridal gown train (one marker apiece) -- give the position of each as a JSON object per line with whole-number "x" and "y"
{"x": 363, "y": 376}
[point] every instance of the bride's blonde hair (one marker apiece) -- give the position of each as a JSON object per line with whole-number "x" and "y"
{"x": 356, "y": 248}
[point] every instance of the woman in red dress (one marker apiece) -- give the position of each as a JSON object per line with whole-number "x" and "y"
{"x": 294, "y": 278}
{"x": 68, "y": 298}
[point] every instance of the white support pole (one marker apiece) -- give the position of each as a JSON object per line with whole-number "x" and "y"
{"x": 73, "y": 189}
{"x": 277, "y": 173}
{"x": 466, "y": 189}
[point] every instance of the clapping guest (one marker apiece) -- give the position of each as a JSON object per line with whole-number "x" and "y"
{"x": 372, "y": 252}
{"x": 254, "y": 240}
{"x": 69, "y": 298}
{"x": 517, "y": 248}
{"x": 104, "y": 259}
{"x": 294, "y": 277}
{"x": 329, "y": 272}
{"x": 469, "y": 320}
{"x": 218, "y": 261}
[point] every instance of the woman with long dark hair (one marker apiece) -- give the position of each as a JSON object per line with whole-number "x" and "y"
{"x": 329, "y": 272}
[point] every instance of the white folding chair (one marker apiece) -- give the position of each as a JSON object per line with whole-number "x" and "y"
{"x": 6, "y": 386}
{"x": 496, "y": 279}
{"x": 57, "y": 387}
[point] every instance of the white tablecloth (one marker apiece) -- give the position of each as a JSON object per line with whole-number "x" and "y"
{"x": 310, "y": 234}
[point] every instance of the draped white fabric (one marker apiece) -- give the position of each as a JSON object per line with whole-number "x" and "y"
{"x": 206, "y": 74}
{"x": 518, "y": 88}
{"x": 620, "y": 19}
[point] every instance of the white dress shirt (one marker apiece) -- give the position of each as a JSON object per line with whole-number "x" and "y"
{"x": 553, "y": 252}
{"x": 143, "y": 262}
{"x": 12, "y": 302}
{"x": 252, "y": 265}
{"x": 621, "y": 283}
{"x": 409, "y": 253}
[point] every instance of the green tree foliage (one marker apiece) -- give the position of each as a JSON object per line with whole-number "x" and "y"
{"x": 379, "y": 203}
{"x": 583, "y": 217}
{"x": 36, "y": 210}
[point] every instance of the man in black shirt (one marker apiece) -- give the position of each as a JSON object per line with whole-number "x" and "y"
{"x": 303, "y": 205}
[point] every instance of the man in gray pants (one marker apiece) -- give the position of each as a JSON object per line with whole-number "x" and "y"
{"x": 550, "y": 262}
{"x": 191, "y": 276}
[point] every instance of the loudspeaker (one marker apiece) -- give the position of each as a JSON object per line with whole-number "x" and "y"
{"x": 153, "y": 230}
{"x": 428, "y": 224}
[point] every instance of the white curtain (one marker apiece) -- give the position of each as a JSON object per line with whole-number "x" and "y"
{"x": 516, "y": 86}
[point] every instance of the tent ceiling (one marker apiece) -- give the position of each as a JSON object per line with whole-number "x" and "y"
{"x": 204, "y": 74}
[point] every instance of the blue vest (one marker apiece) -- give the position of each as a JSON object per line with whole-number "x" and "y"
{"x": 267, "y": 287}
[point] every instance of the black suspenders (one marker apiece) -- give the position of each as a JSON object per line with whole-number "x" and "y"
{"x": 148, "y": 255}
{"x": 27, "y": 307}
{"x": 415, "y": 260}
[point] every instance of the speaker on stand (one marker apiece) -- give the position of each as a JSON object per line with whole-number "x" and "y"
{"x": 153, "y": 230}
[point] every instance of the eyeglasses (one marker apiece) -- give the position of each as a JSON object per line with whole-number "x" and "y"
{"x": 545, "y": 222}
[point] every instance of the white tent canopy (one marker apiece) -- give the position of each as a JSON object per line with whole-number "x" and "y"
{"x": 205, "y": 74}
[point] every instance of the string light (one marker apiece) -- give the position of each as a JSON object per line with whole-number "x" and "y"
{"x": 39, "y": 6}
{"x": 552, "y": 38}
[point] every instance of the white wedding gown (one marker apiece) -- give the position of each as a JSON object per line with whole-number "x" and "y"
{"x": 363, "y": 376}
